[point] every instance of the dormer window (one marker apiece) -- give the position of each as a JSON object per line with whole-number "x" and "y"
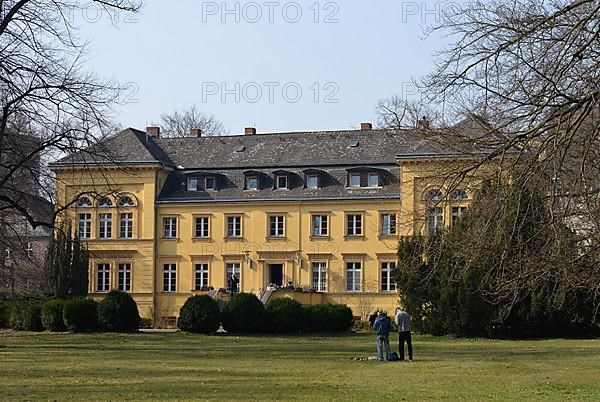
{"x": 312, "y": 181}
{"x": 374, "y": 180}
{"x": 209, "y": 183}
{"x": 354, "y": 180}
{"x": 192, "y": 184}
{"x": 251, "y": 182}
{"x": 281, "y": 182}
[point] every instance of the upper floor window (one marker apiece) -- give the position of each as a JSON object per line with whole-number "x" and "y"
{"x": 126, "y": 202}
{"x": 374, "y": 180}
{"x": 312, "y": 181}
{"x": 126, "y": 226}
{"x": 84, "y": 223}
{"x": 85, "y": 202}
{"x": 354, "y": 225}
{"x": 435, "y": 219}
{"x": 209, "y": 183}
{"x": 281, "y": 182}
{"x": 457, "y": 213}
{"x": 202, "y": 227}
{"x": 170, "y": 227}
{"x": 276, "y": 225}
{"x": 192, "y": 184}
{"x": 458, "y": 195}
{"x": 388, "y": 224}
{"x": 320, "y": 225}
{"x": 434, "y": 195}
{"x": 251, "y": 182}
{"x": 105, "y": 226}
{"x": 354, "y": 180}
{"x": 105, "y": 202}
{"x": 234, "y": 226}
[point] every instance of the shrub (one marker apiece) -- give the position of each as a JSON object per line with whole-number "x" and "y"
{"x": 118, "y": 312}
{"x": 52, "y": 315}
{"x": 32, "y": 317}
{"x": 330, "y": 317}
{"x": 244, "y": 314}
{"x": 199, "y": 314}
{"x": 3, "y": 314}
{"x": 23, "y": 315}
{"x": 79, "y": 314}
{"x": 287, "y": 316}
{"x": 145, "y": 323}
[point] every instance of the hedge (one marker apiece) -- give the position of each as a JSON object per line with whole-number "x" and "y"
{"x": 52, "y": 315}
{"x": 199, "y": 314}
{"x": 118, "y": 312}
{"x": 244, "y": 314}
{"x": 287, "y": 316}
{"x": 79, "y": 314}
{"x": 330, "y": 317}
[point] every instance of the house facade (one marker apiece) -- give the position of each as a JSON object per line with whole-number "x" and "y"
{"x": 166, "y": 218}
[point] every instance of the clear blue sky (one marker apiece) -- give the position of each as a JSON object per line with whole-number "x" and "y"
{"x": 178, "y": 53}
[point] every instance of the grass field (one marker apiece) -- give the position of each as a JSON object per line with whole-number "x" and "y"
{"x": 193, "y": 367}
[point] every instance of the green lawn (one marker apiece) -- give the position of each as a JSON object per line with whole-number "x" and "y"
{"x": 194, "y": 367}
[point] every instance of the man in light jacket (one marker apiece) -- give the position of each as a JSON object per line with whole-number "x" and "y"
{"x": 382, "y": 329}
{"x": 404, "y": 328}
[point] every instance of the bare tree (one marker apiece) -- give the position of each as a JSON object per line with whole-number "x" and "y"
{"x": 399, "y": 113}
{"x": 179, "y": 123}
{"x": 49, "y": 105}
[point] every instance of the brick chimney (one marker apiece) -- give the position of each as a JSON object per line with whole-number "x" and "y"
{"x": 153, "y": 132}
{"x": 366, "y": 126}
{"x": 195, "y": 132}
{"x": 250, "y": 131}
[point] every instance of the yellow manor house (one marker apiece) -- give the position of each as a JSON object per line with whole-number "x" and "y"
{"x": 166, "y": 218}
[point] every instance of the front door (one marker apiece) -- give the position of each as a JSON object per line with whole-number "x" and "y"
{"x": 275, "y": 274}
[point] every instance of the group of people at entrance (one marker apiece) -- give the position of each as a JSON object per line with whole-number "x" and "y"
{"x": 382, "y": 326}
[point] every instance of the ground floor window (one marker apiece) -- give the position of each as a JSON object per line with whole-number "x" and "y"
{"x": 234, "y": 268}
{"x": 103, "y": 278}
{"x": 201, "y": 277}
{"x": 353, "y": 276}
{"x": 319, "y": 276}
{"x": 125, "y": 277}
{"x": 435, "y": 219}
{"x": 170, "y": 278}
{"x": 387, "y": 283}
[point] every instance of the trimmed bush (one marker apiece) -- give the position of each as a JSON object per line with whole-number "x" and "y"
{"x": 24, "y": 315}
{"x": 330, "y": 317}
{"x": 4, "y": 315}
{"x": 244, "y": 314}
{"x": 79, "y": 314}
{"x": 52, "y": 315}
{"x": 32, "y": 317}
{"x": 199, "y": 314}
{"x": 118, "y": 312}
{"x": 287, "y": 316}
{"x": 145, "y": 322}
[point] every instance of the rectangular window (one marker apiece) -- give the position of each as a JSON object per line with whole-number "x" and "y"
{"x": 319, "y": 276}
{"x": 388, "y": 224}
{"x": 354, "y": 180}
{"x": 85, "y": 226}
{"x": 125, "y": 277}
{"x": 170, "y": 278}
{"x": 192, "y": 184}
{"x": 312, "y": 181}
{"x": 235, "y": 269}
{"x": 251, "y": 183}
{"x": 354, "y": 225}
{"x": 276, "y": 226}
{"x": 209, "y": 183}
{"x": 170, "y": 228}
{"x": 319, "y": 225}
{"x": 353, "y": 276}
{"x": 457, "y": 213}
{"x": 234, "y": 226}
{"x": 201, "y": 229}
{"x": 126, "y": 227}
{"x": 201, "y": 277}
{"x": 103, "y": 278}
{"x": 282, "y": 182}
{"x": 373, "y": 179}
{"x": 29, "y": 249}
{"x": 435, "y": 219}
{"x": 387, "y": 283}
{"x": 105, "y": 226}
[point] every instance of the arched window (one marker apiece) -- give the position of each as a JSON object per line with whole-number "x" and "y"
{"x": 84, "y": 202}
{"x": 434, "y": 195}
{"x": 105, "y": 202}
{"x": 126, "y": 201}
{"x": 458, "y": 195}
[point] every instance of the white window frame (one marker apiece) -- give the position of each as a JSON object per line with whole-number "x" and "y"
{"x": 214, "y": 183}
{"x": 102, "y": 278}
{"x": 457, "y": 213}
{"x": 377, "y": 179}
{"x": 105, "y": 226}
{"x": 201, "y": 275}
{"x": 169, "y": 227}
{"x": 192, "y": 184}
{"x": 252, "y": 179}
{"x": 105, "y": 203}
{"x": 201, "y": 227}
{"x": 319, "y": 276}
{"x": 354, "y": 276}
{"x": 316, "y": 181}
{"x": 126, "y": 223}
{"x": 352, "y": 177}
{"x": 279, "y": 185}
{"x": 29, "y": 249}
{"x": 169, "y": 278}
{"x": 320, "y": 225}
{"x": 389, "y": 228}
{"x": 236, "y": 268}
{"x": 233, "y": 228}
{"x": 387, "y": 282}
{"x": 126, "y": 201}
{"x": 85, "y": 202}
{"x": 124, "y": 277}
{"x": 354, "y": 224}
{"x": 84, "y": 226}
{"x": 435, "y": 219}
{"x": 276, "y": 226}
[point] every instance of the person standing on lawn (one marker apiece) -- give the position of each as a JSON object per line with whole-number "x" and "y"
{"x": 382, "y": 329}
{"x": 404, "y": 328}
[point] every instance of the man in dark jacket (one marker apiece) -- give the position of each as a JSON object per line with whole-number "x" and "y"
{"x": 382, "y": 329}
{"x": 232, "y": 284}
{"x": 404, "y": 328}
